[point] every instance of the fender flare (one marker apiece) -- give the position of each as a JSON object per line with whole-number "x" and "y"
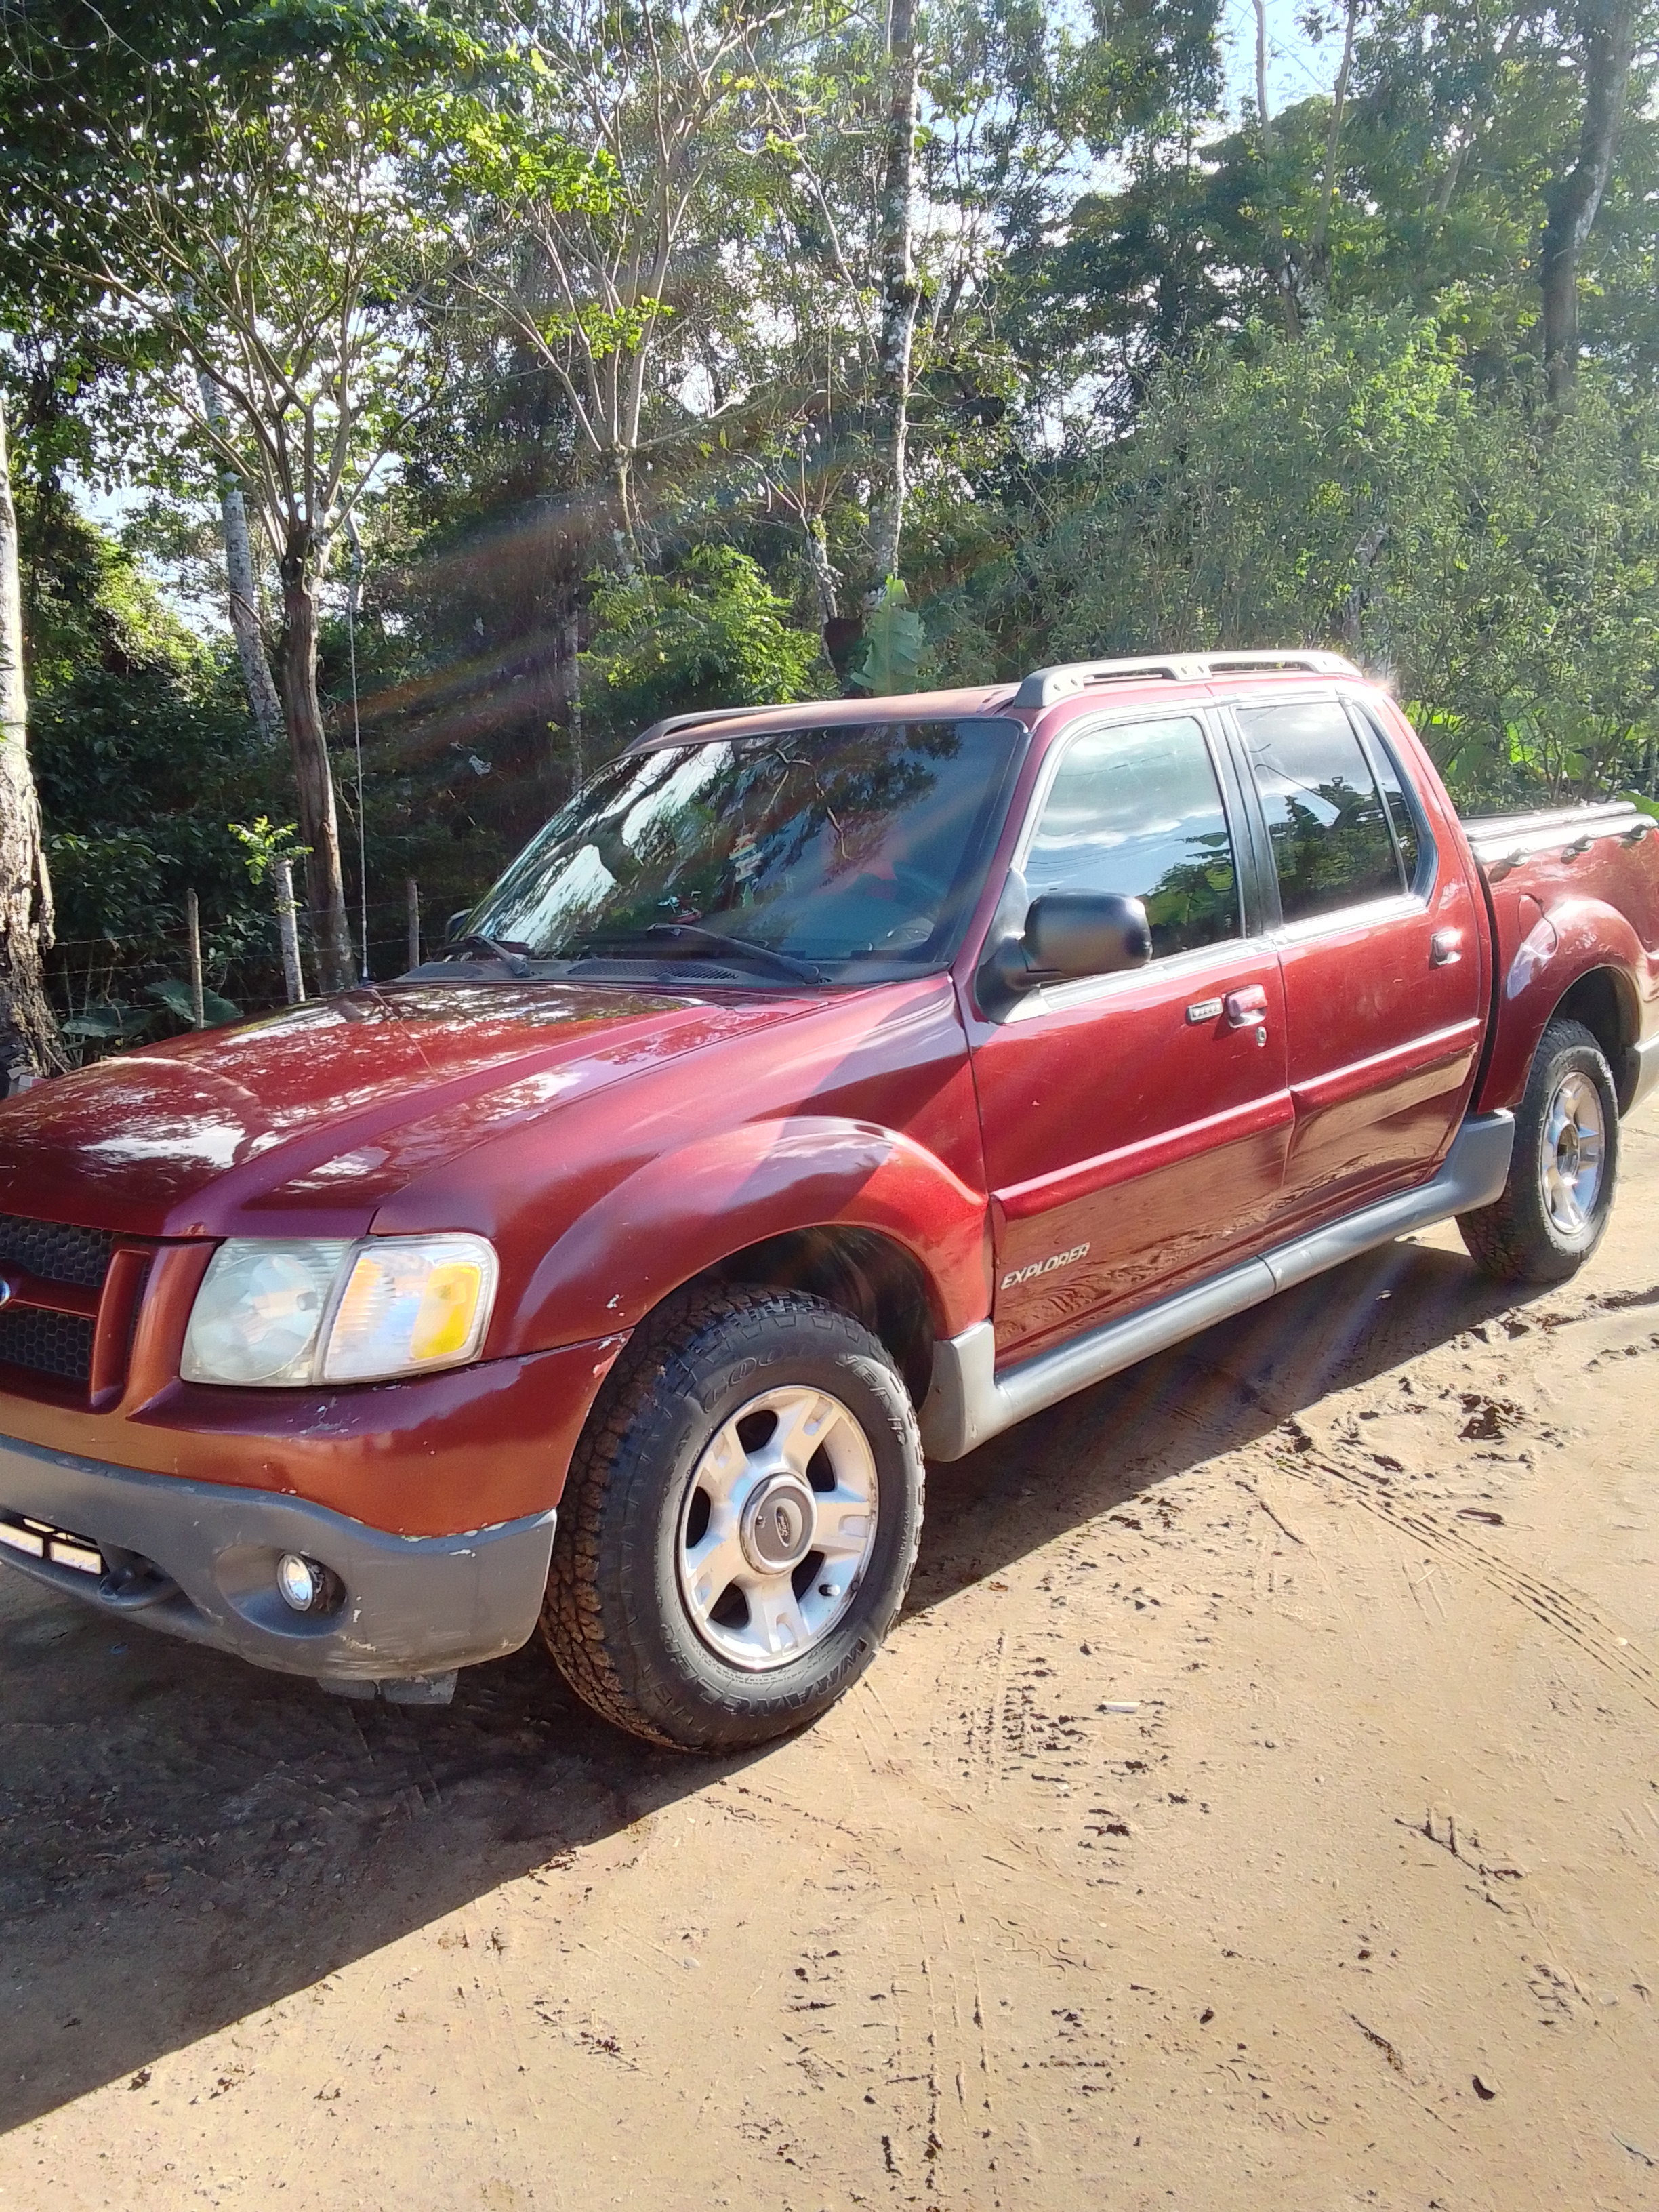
{"x": 1570, "y": 940}
{"x": 687, "y": 1210}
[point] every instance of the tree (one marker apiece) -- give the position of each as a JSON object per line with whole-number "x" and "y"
{"x": 899, "y": 293}
{"x": 285, "y": 270}
{"x": 1608, "y": 31}
{"x": 595, "y": 194}
{"x": 26, "y": 919}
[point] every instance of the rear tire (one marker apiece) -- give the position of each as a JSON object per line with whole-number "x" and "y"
{"x": 740, "y": 1522}
{"x": 1555, "y": 1207}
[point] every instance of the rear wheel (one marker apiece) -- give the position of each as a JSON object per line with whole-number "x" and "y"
{"x": 1556, "y": 1204}
{"x": 740, "y": 1523}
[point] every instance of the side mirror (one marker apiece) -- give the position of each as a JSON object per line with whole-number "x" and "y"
{"x": 1086, "y": 933}
{"x": 456, "y": 925}
{"x": 1067, "y": 934}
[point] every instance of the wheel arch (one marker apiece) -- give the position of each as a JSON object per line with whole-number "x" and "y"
{"x": 1604, "y": 1001}
{"x": 1578, "y": 961}
{"x": 864, "y": 1273}
{"x": 862, "y": 1216}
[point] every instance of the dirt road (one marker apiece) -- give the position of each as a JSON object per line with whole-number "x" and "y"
{"x": 1257, "y": 1806}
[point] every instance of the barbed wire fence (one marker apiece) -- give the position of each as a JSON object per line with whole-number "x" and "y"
{"x": 109, "y": 992}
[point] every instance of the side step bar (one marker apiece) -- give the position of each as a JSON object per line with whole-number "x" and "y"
{"x": 968, "y": 1402}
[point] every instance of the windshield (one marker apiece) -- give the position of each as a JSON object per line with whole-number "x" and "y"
{"x": 845, "y": 852}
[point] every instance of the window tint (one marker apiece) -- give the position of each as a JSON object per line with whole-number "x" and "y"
{"x": 1330, "y": 832}
{"x": 1400, "y": 811}
{"x": 855, "y": 842}
{"x": 1136, "y": 810}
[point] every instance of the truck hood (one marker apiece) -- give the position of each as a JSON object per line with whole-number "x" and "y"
{"x": 323, "y": 1110}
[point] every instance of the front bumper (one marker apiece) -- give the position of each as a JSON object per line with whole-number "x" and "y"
{"x": 198, "y": 1559}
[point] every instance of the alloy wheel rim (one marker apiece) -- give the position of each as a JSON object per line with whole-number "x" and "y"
{"x": 776, "y": 1527}
{"x": 1574, "y": 1153}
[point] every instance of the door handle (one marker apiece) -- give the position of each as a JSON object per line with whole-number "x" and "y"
{"x": 1444, "y": 948}
{"x": 1246, "y": 1008}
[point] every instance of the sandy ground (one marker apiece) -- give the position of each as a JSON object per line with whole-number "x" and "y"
{"x": 1258, "y": 1806}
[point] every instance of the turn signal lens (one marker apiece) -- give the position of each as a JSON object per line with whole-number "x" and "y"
{"x": 411, "y": 1304}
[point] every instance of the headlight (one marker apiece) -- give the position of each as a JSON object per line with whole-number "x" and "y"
{"x": 259, "y": 1312}
{"x": 279, "y": 1311}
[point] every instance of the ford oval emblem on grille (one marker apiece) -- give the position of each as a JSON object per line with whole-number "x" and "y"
{"x": 5, "y": 1291}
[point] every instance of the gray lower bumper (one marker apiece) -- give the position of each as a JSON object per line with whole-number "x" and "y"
{"x": 198, "y": 1559}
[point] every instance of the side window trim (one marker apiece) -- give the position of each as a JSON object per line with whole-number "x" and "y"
{"x": 1264, "y": 875}
{"x": 1258, "y": 886}
{"x": 1255, "y": 920}
{"x": 1373, "y": 743}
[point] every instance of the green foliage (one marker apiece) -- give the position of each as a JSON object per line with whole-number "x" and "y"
{"x": 894, "y": 643}
{"x": 715, "y": 635}
{"x": 174, "y": 993}
{"x": 265, "y": 843}
{"x": 1354, "y": 490}
{"x": 143, "y": 748}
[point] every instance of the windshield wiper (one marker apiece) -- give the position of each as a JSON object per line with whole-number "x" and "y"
{"x": 738, "y": 948}
{"x": 477, "y": 941}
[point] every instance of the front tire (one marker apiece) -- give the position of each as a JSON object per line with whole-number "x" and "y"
{"x": 1555, "y": 1207}
{"x": 740, "y": 1522}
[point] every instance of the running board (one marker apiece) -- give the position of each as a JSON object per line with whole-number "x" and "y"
{"x": 968, "y": 1402}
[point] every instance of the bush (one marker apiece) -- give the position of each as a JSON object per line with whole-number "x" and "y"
{"x": 714, "y": 635}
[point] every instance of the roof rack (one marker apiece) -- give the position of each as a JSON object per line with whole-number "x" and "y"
{"x": 670, "y": 723}
{"x": 1043, "y": 686}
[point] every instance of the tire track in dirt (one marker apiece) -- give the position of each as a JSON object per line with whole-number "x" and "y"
{"x": 1564, "y": 1611}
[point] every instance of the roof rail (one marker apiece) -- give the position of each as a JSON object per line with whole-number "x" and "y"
{"x": 670, "y": 723}
{"x": 1043, "y": 686}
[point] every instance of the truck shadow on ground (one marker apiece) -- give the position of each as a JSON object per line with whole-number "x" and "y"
{"x": 1219, "y": 1392}
{"x": 184, "y": 1840}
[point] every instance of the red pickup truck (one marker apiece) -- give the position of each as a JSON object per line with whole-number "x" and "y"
{"x": 825, "y": 1086}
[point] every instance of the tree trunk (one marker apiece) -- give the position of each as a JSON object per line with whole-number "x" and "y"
{"x": 25, "y": 887}
{"x": 568, "y": 680}
{"x": 246, "y": 627}
{"x": 825, "y": 582}
{"x": 622, "y": 531}
{"x": 899, "y": 290}
{"x": 1319, "y": 253}
{"x": 296, "y": 674}
{"x": 1280, "y": 264}
{"x": 1571, "y": 201}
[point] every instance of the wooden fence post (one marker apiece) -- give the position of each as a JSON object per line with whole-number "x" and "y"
{"x": 194, "y": 929}
{"x": 412, "y": 893}
{"x": 293, "y": 974}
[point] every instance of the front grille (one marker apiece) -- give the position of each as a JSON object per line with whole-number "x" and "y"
{"x": 55, "y": 1251}
{"x": 49, "y": 1343}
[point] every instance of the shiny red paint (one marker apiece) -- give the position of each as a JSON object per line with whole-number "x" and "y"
{"x": 1558, "y": 923}
{"x": 1117, "y": 1124}
{"x": 614, "y": 1143}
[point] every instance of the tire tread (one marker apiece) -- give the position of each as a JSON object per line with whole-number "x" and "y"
{"x": 652, "y": 1366}
{"x": 1509, "y": 1240}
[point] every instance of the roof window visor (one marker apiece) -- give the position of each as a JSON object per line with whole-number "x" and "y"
{"x": 838, "y": 852}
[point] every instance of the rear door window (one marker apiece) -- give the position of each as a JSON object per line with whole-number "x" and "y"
{"x": 1135, "y": 808}
{"x": 1327, "y": 820}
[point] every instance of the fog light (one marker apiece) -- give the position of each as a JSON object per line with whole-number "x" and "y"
{"x": 302, "y": 1585}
